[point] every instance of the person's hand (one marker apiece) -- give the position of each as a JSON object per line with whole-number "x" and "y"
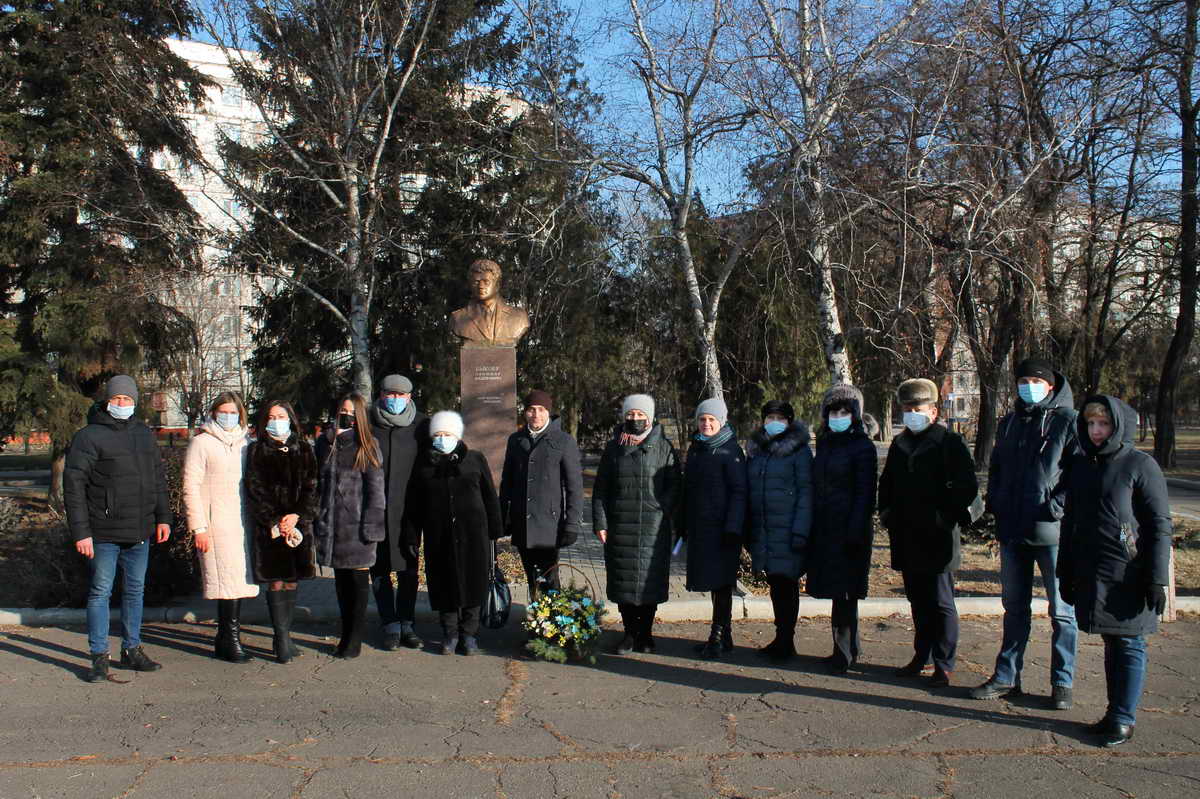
{"x": 203, "y": 542}
{"x": 1156, "y": 598}
{"x": 566, "y": 537}
{"x": 602, "y": 535}
{"x": 84, "y": 547}
{"x": 162, "y": 533}
{"x": 289, "y": 522}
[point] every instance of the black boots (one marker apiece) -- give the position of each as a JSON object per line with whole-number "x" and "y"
{"x": 720, "y": 641}
{"x": 99, "y": 670}
{"x": 353, "y": 588}
{"x": 138, "y": 660}
{"x": 781, "y": 648}
{"x": 228, "y": 643}
{"x": 282, "y": 607}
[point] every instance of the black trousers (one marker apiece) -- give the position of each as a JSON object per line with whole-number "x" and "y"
{"x": 638, "y": 619}
{"x": 396, "y": 605}
{"x": 844, "y": 621}
{"x": 535, "y": 562}
{"x": 785, "y": 601}
{"x": 722, "y": 602}
{"x": 460, "y": 620}
{"x": 935, "y": 617}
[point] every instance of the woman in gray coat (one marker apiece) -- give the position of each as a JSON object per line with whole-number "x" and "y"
{"x": 632, "y": 502}
{"x": 779, "y": 470}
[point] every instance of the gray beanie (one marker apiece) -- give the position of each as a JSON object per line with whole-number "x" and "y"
{"x": 638, "y": 402}
{"x": 713, "y": 407}
{"x": 121, "y": 384}
{"x": 397, "y": 383}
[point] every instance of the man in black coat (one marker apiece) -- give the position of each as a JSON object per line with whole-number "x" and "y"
{"x": 1026, "y": 493}
{"x": 401, "y": 431}
{"x": 115, "y": 491}
{"x": 541, "y": 491}
{"x": 927, "y": 486}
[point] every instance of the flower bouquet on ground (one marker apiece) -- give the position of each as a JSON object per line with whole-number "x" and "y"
{"x": 564, "y": 624}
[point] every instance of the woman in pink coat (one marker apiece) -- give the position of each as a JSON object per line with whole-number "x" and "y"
{"x": 212, "y": 491}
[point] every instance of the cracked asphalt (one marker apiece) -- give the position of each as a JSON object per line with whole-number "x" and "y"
{"x": 499, "y": 725}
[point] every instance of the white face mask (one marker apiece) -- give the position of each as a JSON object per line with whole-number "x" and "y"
{"x": 916, "y": 421}
{"x": 445, "y": 444}
{"x": 120, "y": 411}
{"x": 228, "y": 421}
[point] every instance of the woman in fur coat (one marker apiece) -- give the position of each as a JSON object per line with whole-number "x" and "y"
{"x": 350, "y": 523}
{"x": 281, "y": 497}
{"x": 779, "y": 468}
{"x": 212, "y": 492}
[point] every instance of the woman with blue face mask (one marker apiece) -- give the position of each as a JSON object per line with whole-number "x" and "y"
{"x": 453, "y": 504}
{"x": 839, "y": 549}
{"x": 779, "y": 471}
{"x": 212, "y": 492}
{"x": 281, "y": 499}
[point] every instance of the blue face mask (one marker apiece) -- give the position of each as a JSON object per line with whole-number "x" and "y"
{"x": 774, "y": 428}
{"x": 279, "y": 427}
{"x": 840, "y": 424}
{"x": 120, "y": 411}
{"x": 228, "y": 421}
{"x": 445, "y": 444}
{"x": 1032, "y": 393}
{"x": 395, "y": 404}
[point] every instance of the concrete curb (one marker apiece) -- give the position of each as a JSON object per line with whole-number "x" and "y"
{"x": 753, "y": 608}
{"x": 1190, "y": 485}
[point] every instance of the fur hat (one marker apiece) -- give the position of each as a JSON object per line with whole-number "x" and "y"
{"x": 782, "y": 408}
{"x": 397, "y": 383}
{"x": 917, "y": 391}
{"x": 638, "y": 402}
{"x": 843, "y": 392}
{"x": 121, "y": 384}
{"x": 539, "y": 397}
{"x": 713, "y": 407}
{"x": 446, "y": 422}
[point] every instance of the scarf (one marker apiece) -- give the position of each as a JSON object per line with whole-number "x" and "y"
{"x": 383, "y": 418}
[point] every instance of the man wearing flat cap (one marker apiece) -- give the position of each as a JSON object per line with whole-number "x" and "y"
{"x": 927, "y": 486}
{"x": 1027, "y": 494}
{"x": 541, "y": 491}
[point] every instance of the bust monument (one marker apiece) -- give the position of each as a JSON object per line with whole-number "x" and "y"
{"x": 488, "y": 320}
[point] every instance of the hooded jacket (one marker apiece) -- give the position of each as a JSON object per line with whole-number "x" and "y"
{"x": 1116, "y": 532}
{"x": 114, "y": 484}
{"x": 779, "y": 475}
{"x": 1026, "y": 490}
{"x": 541, "y": 488}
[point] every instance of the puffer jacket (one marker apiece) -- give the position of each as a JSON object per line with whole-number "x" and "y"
{"x": 351, "y": 520}
{"x": 633, "y": 499}
{"x": 839, "y": 548}
{"x": 1116, "y": 532}
{"x": 541, "y": 488}
{"x": 1025, "y": 489}
{"x": 779, "y": 479}
{"x": 712, "y": 511}
{"x": 114, "y": 485}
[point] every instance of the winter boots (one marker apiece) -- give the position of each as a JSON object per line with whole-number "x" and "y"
{"x": 282, "y": 607}
{"x": 228, "y": 643}
{"x": 353, "y": 588}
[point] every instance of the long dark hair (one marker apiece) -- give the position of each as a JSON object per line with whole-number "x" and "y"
{"x": 265, "y": 411}
{"x": 368, "y": 450}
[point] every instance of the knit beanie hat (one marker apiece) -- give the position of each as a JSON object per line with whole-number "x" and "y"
{"x": 1035, "y": 367}
{"x": 713, "y": 407}
{"x": 539, "y": 397}
{"x": 782, "y": 408}
{"x": 917, "y": 391}
{"x": 638, "y": 402}
{"x": 843, "y": 393}
{"x": 446, "y": 422}
{"x": 121, "y": 384}
{"x": 397, "y": 383}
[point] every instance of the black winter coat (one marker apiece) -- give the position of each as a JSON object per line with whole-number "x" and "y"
{"x": 453, "y": 503}
{"x": 399, "y": 448}
{"x": 1116, "y": 533}
{"x": 928, "y": 482}
{"x": 1025, "y": 489}
{"x": 541, "y": 488}
{"x": 633, "y": 499}
{"x": 713, "y": 511}
{"x": 779, "y": 480}
{"x": 281, "y": 478}
{"x": 114, "y": 484}
{"x": 350, "y": 523}
{"x": 839, "y": 548}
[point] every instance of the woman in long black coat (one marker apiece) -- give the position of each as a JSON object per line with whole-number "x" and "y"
{"x": 281, "y": 497}
{"x": 454, "y": 505}
{"x": 632, "y": 501}
{"x": 839, "y": 548}
{"x": 351, "y": 522}
{"x": 1114, "y": 552}
{"x": 712, "y": 515}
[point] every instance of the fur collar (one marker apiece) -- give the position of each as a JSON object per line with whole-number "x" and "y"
{"x": 787, "y": 442}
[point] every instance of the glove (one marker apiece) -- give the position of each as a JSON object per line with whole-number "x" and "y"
{"x": 412, "y": 553}
{"x": 731, "y": 539}
{"x": 1066, "y": 591}
{"x": 567, "y": 536}
{"x": 1156, "y": 598}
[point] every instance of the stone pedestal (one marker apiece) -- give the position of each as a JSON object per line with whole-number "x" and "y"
{"x": 489, "y": 400}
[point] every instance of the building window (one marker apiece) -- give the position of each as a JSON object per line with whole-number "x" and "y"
{"x": 231, "y": 96}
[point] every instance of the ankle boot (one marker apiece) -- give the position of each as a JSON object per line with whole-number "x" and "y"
{"x": 280, "y": 624}
{"x": 228, "y": 643}
{"x": 99, "y": 670}
{"x": 712, "y": 648}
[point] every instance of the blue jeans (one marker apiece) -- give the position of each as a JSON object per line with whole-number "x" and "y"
{"x": 132, "y": 559}
{"x": 1016, "y": 588}
{"x": 1124, "y": 673}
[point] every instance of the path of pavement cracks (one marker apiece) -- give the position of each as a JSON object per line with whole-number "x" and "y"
{"x": 499, "y": 725}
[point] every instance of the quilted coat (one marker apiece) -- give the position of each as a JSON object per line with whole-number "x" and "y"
{"x": 779, "y": 472}
{"x": 713, "y": 511}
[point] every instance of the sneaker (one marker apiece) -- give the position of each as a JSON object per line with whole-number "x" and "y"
{"x": 390, "y": 642}
{"x": 468, "y": 645}
{"x": 99, "y": 670}
{"x": 625, "y": 645}
{"x": 449, "y": 645}
{"x": 1060, "y": 697}
{"x": 645, "y": 644}
{"x": 940, "y": 678}
{"x": 914, "y": 668}
{"x": 138, "y": 660}
{"x": 410, "y": 639}
{"x": 992, "y": 689}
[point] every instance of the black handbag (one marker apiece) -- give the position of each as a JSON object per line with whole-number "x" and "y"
{"x": 497, "y": 604}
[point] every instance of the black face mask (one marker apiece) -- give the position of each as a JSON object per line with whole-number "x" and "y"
{"x": 345, "y": 421}
{"x": 636, "y": 427}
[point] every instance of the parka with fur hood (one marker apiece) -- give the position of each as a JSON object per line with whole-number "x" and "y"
{"x": 779, "y": 475}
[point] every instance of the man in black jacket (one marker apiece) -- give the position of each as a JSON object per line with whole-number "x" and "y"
{"x": 115, "y": 490}
{"x": 541, "y": 491}
{"x": 1026, "y": 493}
{"x": 400, "y": 429}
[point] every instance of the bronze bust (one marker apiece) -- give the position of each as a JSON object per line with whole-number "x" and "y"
{"x": 488, "y": 319}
